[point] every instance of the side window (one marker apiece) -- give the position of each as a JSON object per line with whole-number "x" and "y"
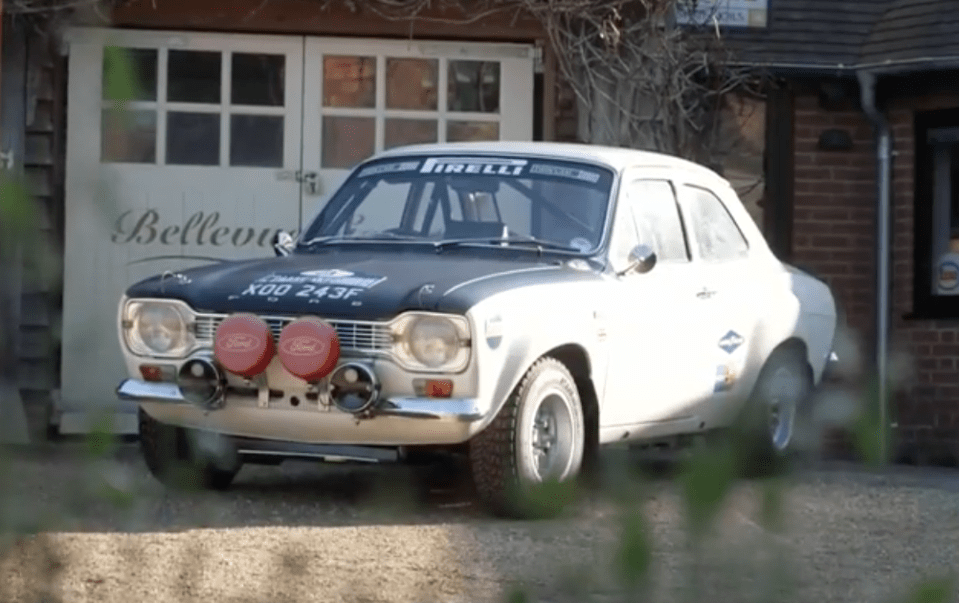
{"x": 717, "y": 235}
{"x": 624, "y": 233}
{"x": 657, "y": 219}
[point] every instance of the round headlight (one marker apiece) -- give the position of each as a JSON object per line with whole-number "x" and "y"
{"x": 433, "y": 341}
{"x": 160, "y": 328}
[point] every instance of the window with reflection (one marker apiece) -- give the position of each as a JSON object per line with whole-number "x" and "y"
{"x": 258, "y": 79}
{"x": 193, "y": 76}
{"x": 349, "y": 81}
{"x": 936, "y": 287}
{"x": 129, "y": 74}
{"x": 128, "y": 136}
{"x": 399, "y": 132}
{"x": 192, "y": 138}
{"x": 256, "y": 140}
{"x": 412, "y": 84}
{"x": 347, "y": 140}
{"x": 469, "y": 131}
{"x": 474, "y": 86}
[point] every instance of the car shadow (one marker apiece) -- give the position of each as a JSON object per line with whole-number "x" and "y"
{"x": 63, "y": 490}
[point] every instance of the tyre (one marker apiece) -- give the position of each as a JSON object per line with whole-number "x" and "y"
{"x": 173, "y": 458}
{"x": 779, "y": 402}
{"x": 534, "y": 444}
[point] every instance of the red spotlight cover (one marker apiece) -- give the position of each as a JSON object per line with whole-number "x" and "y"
{"x": 244, "y": 345}
{"x": 309, "y": 348}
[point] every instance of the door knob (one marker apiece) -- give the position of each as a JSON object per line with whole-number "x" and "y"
{"x": 310, "y": 180}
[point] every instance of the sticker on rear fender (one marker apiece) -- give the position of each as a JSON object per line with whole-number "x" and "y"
{"x": 731, "y": 341}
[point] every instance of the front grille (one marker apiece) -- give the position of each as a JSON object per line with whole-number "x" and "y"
{"x": 353, "y": 335}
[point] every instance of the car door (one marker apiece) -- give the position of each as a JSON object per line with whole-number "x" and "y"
{"x": 726, "y": 288}
{"x": 657, "y": 363}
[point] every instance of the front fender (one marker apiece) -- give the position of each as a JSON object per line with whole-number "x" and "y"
{"x": 515, "y": 328}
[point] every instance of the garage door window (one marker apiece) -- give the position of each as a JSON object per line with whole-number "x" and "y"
{"x": 129, "y": 133}
{"x": 213, "y": 109}
{"x": 381, "y": 102}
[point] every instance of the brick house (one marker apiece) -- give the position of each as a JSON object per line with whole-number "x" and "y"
{"x": 831, "y": 59}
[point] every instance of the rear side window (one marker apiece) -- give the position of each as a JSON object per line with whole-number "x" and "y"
{"x": 717, "y": 236}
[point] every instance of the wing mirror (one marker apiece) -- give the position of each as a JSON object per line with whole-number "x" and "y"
{"x": 283, "y": 243}
{"x": 641, "y": 259}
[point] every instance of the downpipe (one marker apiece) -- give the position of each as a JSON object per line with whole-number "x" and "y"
{"x": 867, "y": 86}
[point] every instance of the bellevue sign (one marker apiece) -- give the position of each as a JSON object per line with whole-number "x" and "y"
{"x": 146, "y": 228}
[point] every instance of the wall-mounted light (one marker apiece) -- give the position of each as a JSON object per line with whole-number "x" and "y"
{"x": 835, "y": 139}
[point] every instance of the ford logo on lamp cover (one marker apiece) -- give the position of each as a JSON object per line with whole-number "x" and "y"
{"x": 309, "y": 348}
{"x": 244, "y": 345}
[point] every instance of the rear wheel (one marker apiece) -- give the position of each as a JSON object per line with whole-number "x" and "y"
{"x": 175, "y": 458}
{"x": 778, "y": 403}
{"x": 536, "y": 439}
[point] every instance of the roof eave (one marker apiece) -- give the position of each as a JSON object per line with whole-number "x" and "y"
{"x": 892, "y": 67}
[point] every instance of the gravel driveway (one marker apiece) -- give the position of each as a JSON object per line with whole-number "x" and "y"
{"x": 304, "y": 532}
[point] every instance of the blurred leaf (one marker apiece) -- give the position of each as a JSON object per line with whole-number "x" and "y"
{"x": 116, "y": 497}
{"x": 936, "y": 590}
{"x": 706, "y": 479}
{"x": 867, "y": 428}
{"x": 545, "y": 500}
{"x": 17, "y": 212}
{"x": 635, "y": 553}
{"x": 517, "y": 594}
{"x": 773, "y": 504}
{"x": 119, "y": 77}
{"x": 100, "y": 441}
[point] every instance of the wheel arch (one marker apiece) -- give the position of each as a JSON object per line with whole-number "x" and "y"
{"x": 576, "y": 359}
{"x": 794, "y": 346}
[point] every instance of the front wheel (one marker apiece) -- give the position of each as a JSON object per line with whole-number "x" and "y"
{"x": 537, "y": 438}
{"x": 174, "y": 458}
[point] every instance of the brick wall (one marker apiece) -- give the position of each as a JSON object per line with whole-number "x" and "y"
{"x": 927, "y": 404}
{"x": 834, "y": 215}
{"x": 834, "y": 221}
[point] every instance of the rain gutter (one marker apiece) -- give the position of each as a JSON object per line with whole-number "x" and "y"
{"x": 867, "y": 84}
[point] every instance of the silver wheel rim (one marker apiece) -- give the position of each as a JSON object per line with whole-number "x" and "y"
{"x": 551, "y": 439}
{"x": 782, "y": 398}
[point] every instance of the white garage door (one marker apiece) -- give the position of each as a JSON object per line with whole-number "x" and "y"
{"x": 230, "y": 138}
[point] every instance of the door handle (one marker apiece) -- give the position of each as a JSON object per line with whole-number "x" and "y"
{"x": 310, "y": 181}
{"x": 705, "y": 293}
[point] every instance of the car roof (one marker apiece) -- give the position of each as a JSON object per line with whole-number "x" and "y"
{"x": 618, "y": 158}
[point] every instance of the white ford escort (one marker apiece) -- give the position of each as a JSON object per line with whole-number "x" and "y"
{"x": 518, "y": 303}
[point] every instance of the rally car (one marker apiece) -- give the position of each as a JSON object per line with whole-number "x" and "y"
{"x": 520, "y": 304}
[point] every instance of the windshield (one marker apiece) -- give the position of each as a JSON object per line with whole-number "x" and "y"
{"x": 454, "y": 198}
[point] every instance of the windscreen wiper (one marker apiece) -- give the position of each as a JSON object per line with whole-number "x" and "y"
{"x": 377, "y": 238}
{"x": 509, "y": 241}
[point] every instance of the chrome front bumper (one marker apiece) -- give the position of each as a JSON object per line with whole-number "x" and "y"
{"x": 402, "y": 421}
